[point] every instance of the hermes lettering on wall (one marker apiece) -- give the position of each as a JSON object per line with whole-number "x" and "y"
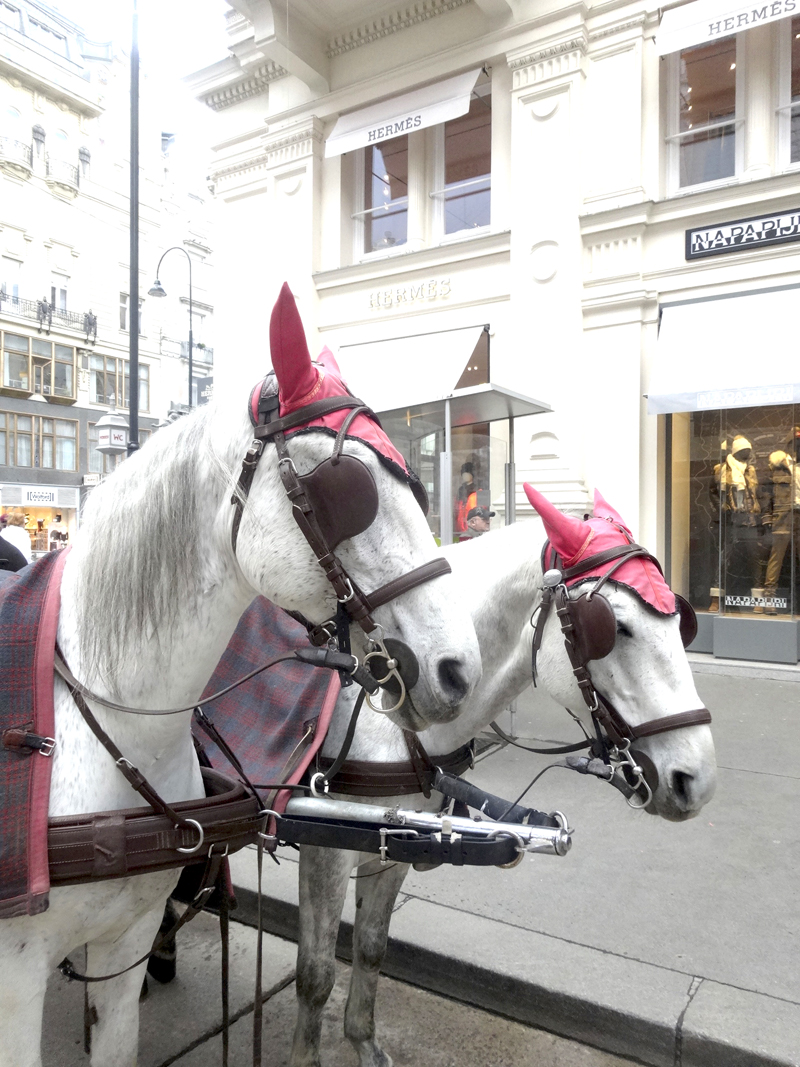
{"x": 749, "y": 15}
{"x": 759, "y": 231}
{"x": 421, "y": 292}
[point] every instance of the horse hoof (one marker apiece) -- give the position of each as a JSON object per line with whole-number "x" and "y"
{"x": 163, "y": 970}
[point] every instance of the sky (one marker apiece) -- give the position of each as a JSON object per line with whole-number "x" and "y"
{"x": 176, "y": 37}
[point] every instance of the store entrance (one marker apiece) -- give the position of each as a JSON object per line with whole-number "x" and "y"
{"x": 462, "y": 447}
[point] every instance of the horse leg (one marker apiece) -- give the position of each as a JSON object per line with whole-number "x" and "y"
{"x": 22, "y": 1001}
{"x": 376, "y": 892}
{"x": 115, "y": 1033}
{"x": 324, "y": 874}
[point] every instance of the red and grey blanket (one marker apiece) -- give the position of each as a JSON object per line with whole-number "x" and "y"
{"x": 274, "y": 723}
{"x": 29, "y": 603}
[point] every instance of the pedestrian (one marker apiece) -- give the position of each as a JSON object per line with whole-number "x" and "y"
{"x": 478, "y": 522}
{"x": 13, "y": 530}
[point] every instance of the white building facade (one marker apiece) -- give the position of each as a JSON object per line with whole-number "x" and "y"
{"x": 65, "y": 314}
{"x": 622, "y": 223}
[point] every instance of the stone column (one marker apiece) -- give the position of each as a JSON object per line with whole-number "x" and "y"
{"x": 759, "y": 103}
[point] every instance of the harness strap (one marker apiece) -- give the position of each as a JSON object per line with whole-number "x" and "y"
{"x": 361, "y": 778}
{"x": 434, "y": 568}
{"x": 211, "y": 873}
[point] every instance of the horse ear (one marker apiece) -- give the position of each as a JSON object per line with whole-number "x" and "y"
{"x": 603, "y": 510}
{"x": 569, "y": 536}
{"x": 291, "y": 359}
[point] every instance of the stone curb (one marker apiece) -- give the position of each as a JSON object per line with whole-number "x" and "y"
{"x": 659, "y": 1017}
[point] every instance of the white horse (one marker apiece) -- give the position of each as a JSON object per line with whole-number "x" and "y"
{"x": 646, "y": 676}
{"x": 151, "y": 594}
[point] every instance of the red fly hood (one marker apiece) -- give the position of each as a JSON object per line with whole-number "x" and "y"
{"x": 301, "y": 382}
{"x": 575, "y": 540}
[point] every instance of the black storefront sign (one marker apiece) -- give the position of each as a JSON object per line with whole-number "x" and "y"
{"x": 760, "y": 231}
{"x": 205, "y": 390}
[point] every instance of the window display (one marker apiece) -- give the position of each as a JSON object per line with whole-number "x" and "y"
{"x": 736, "y": 510}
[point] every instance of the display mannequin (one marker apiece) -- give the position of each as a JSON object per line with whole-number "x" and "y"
{"x": 466, "y": 498}
{"x": 735, "y": 494}
{"x": 782, "y": 511}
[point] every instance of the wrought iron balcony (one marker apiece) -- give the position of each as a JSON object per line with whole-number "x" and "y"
{"x": 16, "y": 156}
{"x": 62, "y": 174}
{"x": 201, "y": 353}
{"x": 43, "y": 312}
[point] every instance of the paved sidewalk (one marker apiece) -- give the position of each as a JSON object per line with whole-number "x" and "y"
{"x": 674, "y": 944}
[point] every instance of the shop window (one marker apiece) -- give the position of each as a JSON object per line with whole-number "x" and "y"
{"x": 735, "y": 538}
{"x": 464, "y": 200}
{"x": 702, "y": 114}
{"x": 38, "y": 441}
{"x": 384, "y": 217}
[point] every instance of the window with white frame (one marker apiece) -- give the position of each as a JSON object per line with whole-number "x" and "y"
{"x": 58, "y": 292}
{"x": 10, "y": 270}
{"x": 9, "y": 15}
{"x": 124, "y": 312}
{"x": 464, "y": 166}
{"x": 455, "y": 159}
{"x": 702, "y": 115}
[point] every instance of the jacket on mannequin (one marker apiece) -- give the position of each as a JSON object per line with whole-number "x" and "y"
{"x": 735, "y": 487}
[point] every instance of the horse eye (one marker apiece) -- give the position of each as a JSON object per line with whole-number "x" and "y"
{"x": 623, "y": 630}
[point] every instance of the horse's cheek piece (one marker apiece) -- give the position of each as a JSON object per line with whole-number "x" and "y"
{"x": 589, "y": 627}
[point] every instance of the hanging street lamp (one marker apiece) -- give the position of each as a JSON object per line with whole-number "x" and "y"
{"x": 157, "y": 289}
{"x": 112, "y": 433}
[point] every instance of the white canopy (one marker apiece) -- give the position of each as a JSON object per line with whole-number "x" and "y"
{"x": 705, "y": 21}
{"x": 413, "y": 111}
{"x": 405, "y": 371}
{"x": 727, "y": 352}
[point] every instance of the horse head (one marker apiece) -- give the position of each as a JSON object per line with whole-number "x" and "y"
{"x": 629, "y": 635}
{"x": 334, "y": 471}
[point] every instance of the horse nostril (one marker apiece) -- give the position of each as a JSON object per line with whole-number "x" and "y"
{"x": 682, "y": 784}
{"x": 452, "y": 680}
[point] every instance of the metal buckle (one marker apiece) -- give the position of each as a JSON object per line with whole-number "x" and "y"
{"x": 351, "y": 595}
{"x": 385, "y": 832}
{"x": 199, "y": 845}
{"x": 46, "y": 748}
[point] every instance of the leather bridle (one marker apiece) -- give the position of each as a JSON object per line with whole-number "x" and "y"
{"x": 335, "y": 501}
{"x": 589, "y": 628}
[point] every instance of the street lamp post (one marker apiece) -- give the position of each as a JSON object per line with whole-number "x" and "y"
{"x": 158, "y": 290}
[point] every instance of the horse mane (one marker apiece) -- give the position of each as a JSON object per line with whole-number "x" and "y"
{"x": 146, "y": 543}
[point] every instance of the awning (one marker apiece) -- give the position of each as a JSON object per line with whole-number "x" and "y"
{"x": 404, "y": 371}
{"x": 705, "y": 21}
{"x": 413, "y": 111}
{"x": 727, "y": 352}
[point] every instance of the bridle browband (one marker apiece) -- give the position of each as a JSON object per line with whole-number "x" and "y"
{"x": 592, "y": 610}
{"x": 308, "y": 493}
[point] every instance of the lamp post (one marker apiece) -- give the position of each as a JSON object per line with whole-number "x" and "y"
{"x": 158, "y": 290}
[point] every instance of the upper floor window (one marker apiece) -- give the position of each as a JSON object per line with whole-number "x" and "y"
{"x": 47, "y": 36}
{"x": 124, "y": 312}
{"x": 110, "y": 382}
{"x": 58, "y": 292}
{"x": 9, "y": 15}
{"x": 38, "y": 366}
{"x": 467, "y": 166}
{"x": 448, "y": 167}
{"x": 10, "y": 270}
{"x": 38, "y": 441}
{"x": 703, "y": 114}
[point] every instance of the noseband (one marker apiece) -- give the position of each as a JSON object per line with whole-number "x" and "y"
{"x": 589, "y": 627}
{"x": 335, "y": 501}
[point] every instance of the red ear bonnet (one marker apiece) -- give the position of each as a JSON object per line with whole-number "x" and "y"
{"x": 575, "y": 540}
{"x": 301, "y": 382}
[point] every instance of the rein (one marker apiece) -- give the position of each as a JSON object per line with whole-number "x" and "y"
{"x": 325, "y": 519}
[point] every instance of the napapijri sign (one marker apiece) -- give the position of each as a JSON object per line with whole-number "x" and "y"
{"x": 760, "y": 231}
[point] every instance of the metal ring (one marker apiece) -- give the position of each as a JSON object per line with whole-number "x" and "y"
{"x": 321, "y": 777}
{"x": 394, "y": 707}
{"x": 199, "y": 845}
{"x": 520, "y": 848}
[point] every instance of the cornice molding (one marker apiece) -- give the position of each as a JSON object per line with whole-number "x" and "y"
{"x": 247, "y": 167}
{"x": 635, "y": 23}
{"x": 577, "y": 44}
{"x": 401, "y": 19}
{"x": 251, "y": 84}
{"x": 293, "y": 142}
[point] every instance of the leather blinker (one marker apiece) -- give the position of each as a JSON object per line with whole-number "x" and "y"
{"x": 595, "y": 626}
{"x": 688, "y": 620}
{"x": 344, "y": 497}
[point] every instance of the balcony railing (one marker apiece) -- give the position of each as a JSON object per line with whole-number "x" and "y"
{"x": 59, "y": 172}
{"x": 16, "y": 155}
{"x": 43, "y": 312}
{"x": 200, "y": 354}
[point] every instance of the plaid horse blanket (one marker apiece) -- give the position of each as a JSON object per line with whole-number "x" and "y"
{"x": 29, "y": 603}
{"x": 275, "y": 722}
